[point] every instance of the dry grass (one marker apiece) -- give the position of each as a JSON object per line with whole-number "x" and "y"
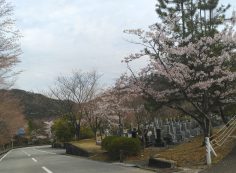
{"x": 101, "y": 157}
{"x": 89, "y": 145}
{"x": 192, "y": 153}
{"x": 188, "y": 154}
{"x": 223, "y": 151}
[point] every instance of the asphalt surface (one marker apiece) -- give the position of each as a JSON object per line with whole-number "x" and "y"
{"x": 227, "y": 165}
{"x": 47, "y": 160}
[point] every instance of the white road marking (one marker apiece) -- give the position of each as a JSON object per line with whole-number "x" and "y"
{"x": 46, "y": 169}
{"x": 26, "y": 153}
{"x": 34, "y": 160}
{"x": 5, "y": 155}
{"x": 44, "y": 151}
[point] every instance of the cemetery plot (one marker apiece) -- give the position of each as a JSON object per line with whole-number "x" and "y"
{"x": 169, "y": 132}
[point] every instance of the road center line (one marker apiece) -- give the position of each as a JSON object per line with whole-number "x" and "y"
{"x": 34, "y": 160}
{"x": 5, "y": 155}
{"x": 26, "y": 153}
{"x": 46, "y": 169}
{"x": 44, "y": 151}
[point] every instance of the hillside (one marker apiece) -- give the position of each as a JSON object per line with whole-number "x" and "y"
{"x": 36, "y": 106}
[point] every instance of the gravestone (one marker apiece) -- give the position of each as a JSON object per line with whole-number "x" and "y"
{"x": 196, "y": 131}
{"x": 169, "y": 135}
{"x": 159, "y": 142}
{"x": 165, "y": 129}
{"x": 161, "y": 123}
{"x": 186, "y": 130}
{"x": 179, "y": 135}
{"x": 173, "y": 132}
{"x": 188, "y": 124}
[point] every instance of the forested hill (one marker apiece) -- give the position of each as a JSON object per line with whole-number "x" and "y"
{"x": 35, "y": 106}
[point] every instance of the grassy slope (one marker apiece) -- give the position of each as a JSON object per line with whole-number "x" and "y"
{"x": 188, "y": 154}
{"x": 89, "y": 145}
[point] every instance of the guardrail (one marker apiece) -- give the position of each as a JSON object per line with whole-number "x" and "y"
{"x": 223, "y": 134}
{"x": 219, "y": 138}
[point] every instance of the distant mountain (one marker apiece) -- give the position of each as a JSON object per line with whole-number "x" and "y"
{"x": 36, "y": 106}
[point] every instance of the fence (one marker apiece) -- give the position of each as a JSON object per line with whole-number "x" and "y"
{"x": 220, "y": 138}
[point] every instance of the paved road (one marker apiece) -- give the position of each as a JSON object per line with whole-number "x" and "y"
{"x": 47, "y": 160}
{"x": 227, "y": 165}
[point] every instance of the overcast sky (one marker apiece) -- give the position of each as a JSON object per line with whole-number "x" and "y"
{"x": 64, "y": 35}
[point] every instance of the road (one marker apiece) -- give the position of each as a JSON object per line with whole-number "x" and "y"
{"x": 47, "y": 160}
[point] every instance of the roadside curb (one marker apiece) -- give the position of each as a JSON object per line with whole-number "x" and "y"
{"x": 124, "y": 164}
{"x": 188, "y": 170}
{"x": 175, "y": 170}
{"x": 4, "y": 152}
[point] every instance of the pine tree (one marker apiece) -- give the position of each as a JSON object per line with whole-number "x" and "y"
{"x": 197, "y": 17}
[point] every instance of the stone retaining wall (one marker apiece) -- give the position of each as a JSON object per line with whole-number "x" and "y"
{"x": 74, "y": 150}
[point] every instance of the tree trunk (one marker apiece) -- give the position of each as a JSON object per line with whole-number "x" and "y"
{"x": 100, "y": 129}
{"x": 77, "y": 130}
{"x": 95, "y": 128}
{"x": 223, "y": 116}
{"x": 120, "y": 126}
{"x": 143, "y": 138}
{"x": 207, "y": 129}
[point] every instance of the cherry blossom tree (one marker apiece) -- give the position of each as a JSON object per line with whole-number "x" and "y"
{"x": 111, "y": 106}
{"x": 195, "y": 71}
{"x": 96, "y": 115}
{"x": 9, "y": 44}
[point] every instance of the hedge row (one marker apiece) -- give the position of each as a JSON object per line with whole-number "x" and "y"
{"x": 115, "y": 144}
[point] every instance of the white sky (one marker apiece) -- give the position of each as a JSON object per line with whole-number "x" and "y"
{"x": 64, "y": 35}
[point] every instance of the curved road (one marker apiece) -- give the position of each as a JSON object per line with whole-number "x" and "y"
{"x": 47, "y": 160}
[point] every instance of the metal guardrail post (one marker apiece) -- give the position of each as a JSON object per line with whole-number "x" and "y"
{"x": 219, "y": 139}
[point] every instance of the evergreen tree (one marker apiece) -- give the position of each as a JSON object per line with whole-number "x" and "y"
{"x": 196, "y": 17}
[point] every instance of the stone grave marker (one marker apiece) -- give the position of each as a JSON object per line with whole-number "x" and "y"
{"x": 159, "y": 142}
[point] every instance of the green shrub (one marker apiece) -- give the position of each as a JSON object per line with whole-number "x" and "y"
{"x": 86, "y": 133}
{"x": 106, "y": 143}
{"x": 63, "y": 130}
{"x": 130, "y": 146}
